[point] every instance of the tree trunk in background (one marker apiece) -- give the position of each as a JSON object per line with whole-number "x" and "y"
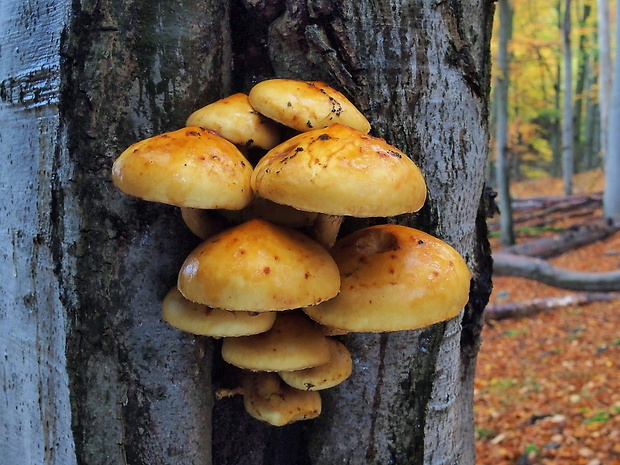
{"x": 611, "y": 196}
{"x": 604, "y": 71}
{"x": 568, "y": 141}
{"x": 502, "y": 83}
{"x": 93, "y": 375}
{"x": 581, "y": 89}
{"x": 556, "y": 129}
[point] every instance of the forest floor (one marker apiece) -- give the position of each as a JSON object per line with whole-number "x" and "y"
{"x": 547, "y": 388}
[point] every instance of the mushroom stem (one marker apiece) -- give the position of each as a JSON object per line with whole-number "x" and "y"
{"x": 325, "y": 229}
{"x": 224, "y": 393}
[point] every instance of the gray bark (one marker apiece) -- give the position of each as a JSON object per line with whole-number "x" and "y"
{"x": 604, "y": 71}
{"x": 568, "y": 141}
{"x": 611, "y": 196}
{"x": 502, "y": 84}
{"x": 92, "y": 373}
{"x": 35, "y": 406}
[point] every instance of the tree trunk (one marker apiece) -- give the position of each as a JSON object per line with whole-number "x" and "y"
{"x": 35, "y": 407}
{"x": 568, "y": 141}
{"x": 502, "y": 83}
{"x": 611, "y": 196}
{"x": 604, "y": 71}
{"x": 95, "y": 376}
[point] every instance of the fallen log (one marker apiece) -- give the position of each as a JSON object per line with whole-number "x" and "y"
{"x": 507, "y": 264}
{"x": 533, "y": 307}
{"x": 569, "y": 239}
{"x": 557, "y": 203}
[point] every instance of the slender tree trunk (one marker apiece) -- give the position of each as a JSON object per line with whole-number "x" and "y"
{"x": 580, "y": 100}
{"x": 604, "y": 73}
{"x": 94, "y": 375}
{"x": 568, "y": 141}
{"x": 611, "y": 196}
{"x": 502, "y": 84}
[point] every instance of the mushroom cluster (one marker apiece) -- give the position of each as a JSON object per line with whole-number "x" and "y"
{"x": 272, "y": 276}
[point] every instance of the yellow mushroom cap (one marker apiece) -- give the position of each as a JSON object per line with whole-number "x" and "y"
{"x": 268, "y": 399}
{"x": 190, "y": 167}
{"x": 340, "y": 171}
{"x": 206, "y": 321}
{"x": 394, "y": 278}
{"x": 325, "y": 376}
{"x": 258, "y": 266}
{"x": 305, "y": 105}
{"x": 236, "y": 120}
{"x": 294, "y": 342}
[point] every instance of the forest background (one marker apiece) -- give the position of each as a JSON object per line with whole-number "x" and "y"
{"x": 546, "y": 386}
{"x": 536, "y": 72}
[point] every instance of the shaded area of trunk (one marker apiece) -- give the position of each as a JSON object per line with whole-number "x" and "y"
{"x": 140, "y": 390}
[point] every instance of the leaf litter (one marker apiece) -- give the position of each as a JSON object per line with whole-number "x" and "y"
{"x": 547, "y": 388}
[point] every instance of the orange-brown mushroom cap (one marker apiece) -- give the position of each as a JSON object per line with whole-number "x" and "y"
{"x": 325, "y": 376}
{"x": 206, "y": 321}
{"x": 340, "y": 171}
{"x": 394, "y": 278}
{"x": 305, "y": 105}
{"x": 267, "y": 398}
{"x": 294, "y": 342}
{"x": 258, "y": 266}
{"x": 236, "y": 120}
{"x": 190, "y": 167}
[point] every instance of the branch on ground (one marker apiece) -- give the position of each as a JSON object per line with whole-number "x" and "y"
{"x": 535, "y": 306}
{"x": 505, "y": 264}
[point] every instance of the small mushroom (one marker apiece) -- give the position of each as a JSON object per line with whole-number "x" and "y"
{"x": 268, "y": 399}
{"x": 236, "y": 120}
{"x": 294, "y": 342}
{"x": 325, "y": 376}
{"x": 394, "y": 278}
{"x": 305, "y": 105}
{"x": 205, "y": 321}
{"x": 258, "y": 266}
{"x": 190, "y": 167}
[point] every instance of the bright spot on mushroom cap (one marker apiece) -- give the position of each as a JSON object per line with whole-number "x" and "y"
{"x": 328, "y": 171}
{"x": 394, "y": 278}
{"x": 190, "y": 167}
{"x": 305, "y": 105}
{"x": 258, "y": 266}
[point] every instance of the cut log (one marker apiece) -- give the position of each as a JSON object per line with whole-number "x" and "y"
{"x": 535, "y": 306}
{"x": 569, "y": 239}
{"x": 505, "y": 264}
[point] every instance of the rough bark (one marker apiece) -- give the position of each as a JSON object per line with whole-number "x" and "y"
{"x": 35, "y": 407}
{"x": 419, "y": 71}
{"x": 140, "y": 390}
